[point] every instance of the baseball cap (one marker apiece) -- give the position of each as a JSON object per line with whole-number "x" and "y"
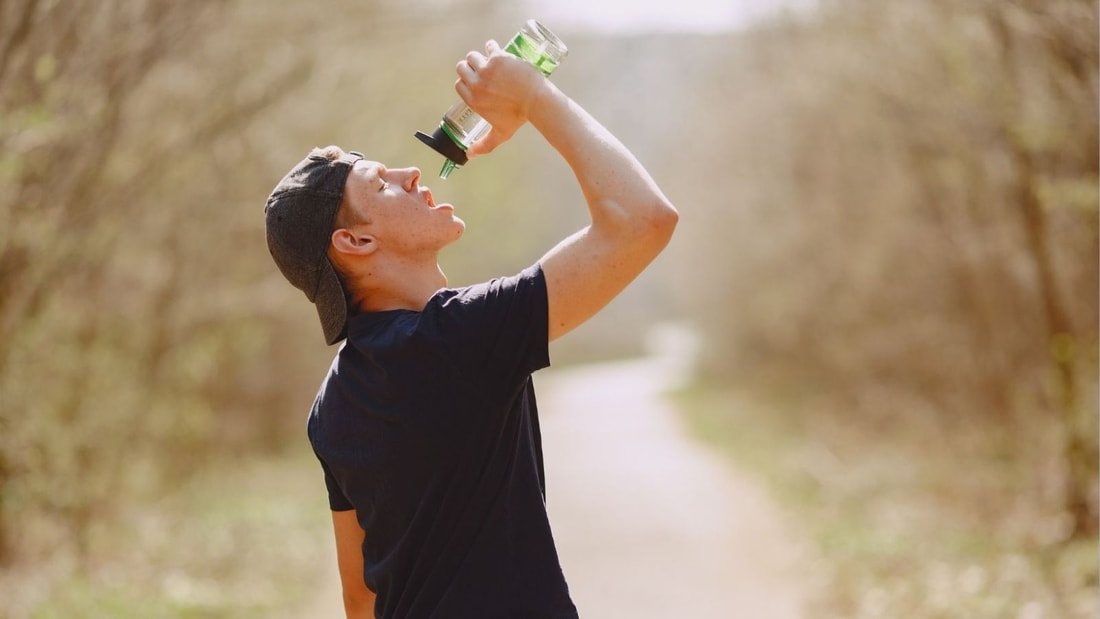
{"x": 300, "y": 213}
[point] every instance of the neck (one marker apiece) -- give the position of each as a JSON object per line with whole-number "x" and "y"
{"x": 395, "y": 286}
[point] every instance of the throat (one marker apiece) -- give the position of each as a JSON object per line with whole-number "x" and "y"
{"x": 402, "y": 289}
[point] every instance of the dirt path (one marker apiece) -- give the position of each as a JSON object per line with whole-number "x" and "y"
{"x": 648, "y": 524}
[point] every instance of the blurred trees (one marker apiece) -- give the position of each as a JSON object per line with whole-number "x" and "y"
{"x": 130, "y": 348}
{"x": 921, "y": 179}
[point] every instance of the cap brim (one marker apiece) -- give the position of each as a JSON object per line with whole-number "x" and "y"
{"x": 332, "y": 307}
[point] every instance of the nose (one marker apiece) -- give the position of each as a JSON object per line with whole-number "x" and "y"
{"x": 410, "y": 177}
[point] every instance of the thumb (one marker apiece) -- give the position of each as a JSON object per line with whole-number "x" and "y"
{"x": 486, "y": 144}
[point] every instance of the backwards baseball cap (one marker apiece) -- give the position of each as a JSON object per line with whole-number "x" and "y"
{"x": 301, "y": 212}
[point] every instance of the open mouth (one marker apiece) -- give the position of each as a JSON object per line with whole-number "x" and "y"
{"x": 428, "y": 197}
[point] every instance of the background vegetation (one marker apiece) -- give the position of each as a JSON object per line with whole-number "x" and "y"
{"x": 889, "y": 244}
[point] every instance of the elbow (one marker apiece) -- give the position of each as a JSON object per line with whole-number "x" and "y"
{"x": 653, "y": 226}
{"x": 664, "y": 219}
{"x": 649, "y": 223}
{"x": 670, "y": 217}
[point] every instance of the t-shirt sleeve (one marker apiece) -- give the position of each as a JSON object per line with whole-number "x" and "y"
{"x": 499, "y": 329}
{"x": 337, "y": 502}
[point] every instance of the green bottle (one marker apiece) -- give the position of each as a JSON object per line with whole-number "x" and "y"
{"x": 461, "y": 126}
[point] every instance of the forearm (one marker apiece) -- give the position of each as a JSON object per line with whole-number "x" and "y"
{"x": 632, "y": 220}
{"x": 619, "y": 191}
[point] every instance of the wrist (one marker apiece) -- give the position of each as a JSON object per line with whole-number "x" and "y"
{"x": 543, "y": 103}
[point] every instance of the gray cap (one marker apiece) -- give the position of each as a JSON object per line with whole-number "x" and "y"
{"x": 301, "y": 212}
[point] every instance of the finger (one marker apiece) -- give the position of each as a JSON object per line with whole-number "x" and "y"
{"x": 491, "y": 47}
{"x": 486, "y": 144}
{"x": 476, "y": 61}
{"x": 463, "y": 91}
{"x": 465, "y": 71}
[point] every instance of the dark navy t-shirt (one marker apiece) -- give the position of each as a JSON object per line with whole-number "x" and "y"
{"x": 426, "y": 425}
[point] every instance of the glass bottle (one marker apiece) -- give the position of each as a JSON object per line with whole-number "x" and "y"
{"x": 461, "y": 126}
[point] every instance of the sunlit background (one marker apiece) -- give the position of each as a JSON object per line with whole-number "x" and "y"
{"x": 888, "y": 257}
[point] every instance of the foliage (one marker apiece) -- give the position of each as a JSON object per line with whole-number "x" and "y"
{"x": 913, "y": 221}
{"x": 244, "y": 539}
{"x": 133, "y": 346}
{"x": 913, "y": 517}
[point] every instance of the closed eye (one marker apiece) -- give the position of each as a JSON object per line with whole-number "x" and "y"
{"x": 384, "y": 186}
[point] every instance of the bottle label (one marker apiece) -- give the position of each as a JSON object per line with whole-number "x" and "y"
{"x": 464, "y": 115}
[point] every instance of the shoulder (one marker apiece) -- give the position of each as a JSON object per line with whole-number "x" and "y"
{"x": 498, "y": 326}
{"x": 527, "y": 280}
{"x": 488, "y": 303}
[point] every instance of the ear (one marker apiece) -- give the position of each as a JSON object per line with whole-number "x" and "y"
{"x": 348, "y": 242}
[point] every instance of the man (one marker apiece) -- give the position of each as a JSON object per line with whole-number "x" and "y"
{"x": 426, "y": 425}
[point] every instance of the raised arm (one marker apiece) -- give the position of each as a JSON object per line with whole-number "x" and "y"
{"x": 631, "y": 219}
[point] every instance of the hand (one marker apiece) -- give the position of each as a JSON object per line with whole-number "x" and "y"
{"x": 501, "y": 89}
